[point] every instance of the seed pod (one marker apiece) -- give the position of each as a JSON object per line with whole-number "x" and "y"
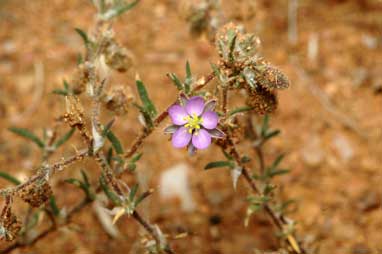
{"x": 80, "y": 79}
{"x": 118, "y": 58}
{"x": 118, "y": 100}
{"x": 262, "y": 100}
{"x": 36, "y": 193}
{"x": 9, "y": 224}
{"x": 270, "y": 77}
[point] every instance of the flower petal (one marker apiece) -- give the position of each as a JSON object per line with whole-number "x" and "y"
{"x": 201, "y": 139}
{"x": 181, "y": 138}
{"x": 178, "y": 114}
{"x": 210, "y": 120}
{"x": 195, "y": 105}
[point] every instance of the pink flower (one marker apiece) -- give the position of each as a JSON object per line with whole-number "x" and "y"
{"x": 194, "y": 124}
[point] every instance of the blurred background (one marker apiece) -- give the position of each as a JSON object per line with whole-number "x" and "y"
{"x": 330, "y": 119}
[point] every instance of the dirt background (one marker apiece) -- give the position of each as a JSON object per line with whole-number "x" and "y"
{"x": 330, "y": 118}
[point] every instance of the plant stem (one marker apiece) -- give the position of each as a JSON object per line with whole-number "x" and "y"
{"x": 279, "y": 221}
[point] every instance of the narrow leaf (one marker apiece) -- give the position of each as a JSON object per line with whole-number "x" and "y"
{"x": 133, "y": 191}
{"x": 60, "y": 92}
{"x": 265, "y": 125}
{"x": 64, "y": 138}
{"x": 118, "y": 10}
{"x": 85, "y": 178}
{"x": 188, "y": 81}
{"x": 83, "y": 35}
{"x": 272, "y": 134}
{"x": 115, "y": 142}
{"x": 239, "y": 110}
{"x": 219, "y": 164}
{"x": 107, "y": 127}
{"x": 176, "y": 81}
{"x": 109, "y": 193}
{"x": 136, "y": 157}
{"x": 9, "y": 178}
{"x": 147, "y": 103}
{"x": 28, "y": 135}
{"x": 53, "y": 206}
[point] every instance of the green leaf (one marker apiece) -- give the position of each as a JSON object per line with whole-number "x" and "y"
{"x": 277, "y": 161}
{"x": 64, "y": 138}
{"x": 109, "y": 155}
{"x": 271, "y": 134}
{"x": 147, "y": 103}
{"x": 118, "y": 10}
{"x": 188, "y": 81}
{"x": 66, "y": 85}
{"x": 85, "y": 186}
{"x": 219, "y": 164}
{"x": 227, "y": 155}
{"x": 84, "y": 36}
{"x": 239, "y": 110}
{"x": 133, "y": 191}
{"x": 115, "y": 142}
{"x": 9, "y": 178}
{"x": 275, "y": 172}
{"x": 176, "y": 81}
{"x": 136, "y": 157}
{"x": 60, "y": 92}
{"x": 74, "y": 181}
{"x": 109, "y": 193}
{"x": 107, "y": 127}
{"x": 268, "y": 189}
{"x": 265, "y": 125}
{"x": 85, "y": 178}
{"x": 53, "y": 206}
{"x": 28, "y": 135}
{"x": 80, "y": 59}
{"x": 231, "y": 43}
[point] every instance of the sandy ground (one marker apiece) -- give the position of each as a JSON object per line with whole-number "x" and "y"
{"x": 330, "y": 119}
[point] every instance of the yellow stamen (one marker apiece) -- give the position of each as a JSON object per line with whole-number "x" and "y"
{"x": 193, "y": 123}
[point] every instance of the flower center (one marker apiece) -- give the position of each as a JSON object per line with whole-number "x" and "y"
{"x": 193, "y": 122}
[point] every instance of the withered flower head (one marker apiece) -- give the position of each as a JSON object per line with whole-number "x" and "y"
{"x": 36, "y": 193}
{"x": 118, "y": 100}
{"x": 262, "y": 100}
{"x": 117, "y": 57}
{"x": 9, "y": 224}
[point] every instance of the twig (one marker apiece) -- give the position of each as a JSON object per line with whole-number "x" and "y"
{"x": 52, "y": 169}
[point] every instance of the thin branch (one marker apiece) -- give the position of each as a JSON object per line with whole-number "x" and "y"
{"x": 52, "y": 169}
